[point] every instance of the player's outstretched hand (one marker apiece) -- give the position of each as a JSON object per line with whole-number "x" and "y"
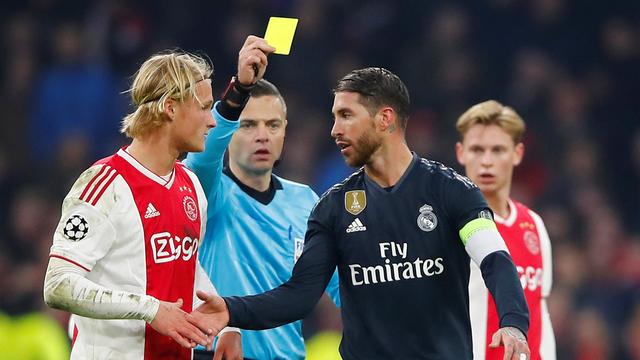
{"x": 514, "y": 341}
{"x": 172, "y": 321}
{"x": 229, "y": 346}
{"x": 211, "y": 315}
{"x": 252, "y": 60}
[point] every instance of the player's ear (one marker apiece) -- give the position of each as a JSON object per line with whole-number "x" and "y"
{"x": 519, "y": 154}
{"x": 170, "y": 108}
{"x": 388, "y": 119}
{"x": 459, "y": 153}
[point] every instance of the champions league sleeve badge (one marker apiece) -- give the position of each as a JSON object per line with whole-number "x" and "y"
{"x": 76, "y": 228}
{"x": 427, "y": 220}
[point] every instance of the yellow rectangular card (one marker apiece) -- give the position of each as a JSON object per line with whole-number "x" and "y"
{"x": 280, "y": 32}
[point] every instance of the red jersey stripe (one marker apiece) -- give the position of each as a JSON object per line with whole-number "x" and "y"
{"x": 106, "y": 184}
{"x": 95, "y": 186}
{"x": 69, "y": 260}
{"x": 84, "y": 192}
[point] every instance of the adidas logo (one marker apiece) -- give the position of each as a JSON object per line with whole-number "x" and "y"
{"x": 151, "y": 212}
{"x": 355, "y": 226}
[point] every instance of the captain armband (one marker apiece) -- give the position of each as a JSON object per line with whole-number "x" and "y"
{"x": 480, "y": 238}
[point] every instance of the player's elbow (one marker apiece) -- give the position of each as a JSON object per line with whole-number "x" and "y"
{"x": 57, "y": 290}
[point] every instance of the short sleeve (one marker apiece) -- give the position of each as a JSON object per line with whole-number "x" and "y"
{"x": 84, "y": 233}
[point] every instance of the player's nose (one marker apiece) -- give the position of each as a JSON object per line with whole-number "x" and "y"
{"x": 211, "y": 121}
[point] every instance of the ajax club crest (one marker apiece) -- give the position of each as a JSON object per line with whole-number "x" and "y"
{"x": 427, "y": 220}
{"x": 355, "y": 201}
{"x": 190, "y": 208}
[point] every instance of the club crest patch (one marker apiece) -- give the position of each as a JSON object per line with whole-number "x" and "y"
{"x": 485, "y": 214}
{"x": 298, "y": 244}
{"x": 427, "y": 220}
{"x": 76, "y": 228}
{"x": 355, "y": 201}
{"x": 190, "y": 208}
{"x": 532, "y": 242}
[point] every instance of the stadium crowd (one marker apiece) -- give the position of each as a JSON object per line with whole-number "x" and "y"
{"x": 569, "y": 67}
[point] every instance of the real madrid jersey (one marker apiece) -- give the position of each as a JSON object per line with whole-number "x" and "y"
{"x": 403, "y": 260}
{"x": 529, "y": 245}
{"x": 131, "y": 231}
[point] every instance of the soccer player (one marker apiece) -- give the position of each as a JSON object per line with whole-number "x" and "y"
{"x": 127, "y": 243}
{"x": 261, "y": 218}
{"x": 490, "y": 147}
{"x": 401, "y": 230}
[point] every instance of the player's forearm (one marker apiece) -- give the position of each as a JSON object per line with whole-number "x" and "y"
{"x": 294, "y": 299}
{"x": 501, "y": 278}
{"x": 66, "y": 288}
{"x": 288, "y": 303}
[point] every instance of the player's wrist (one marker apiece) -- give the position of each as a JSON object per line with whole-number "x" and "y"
{"x": 151, "y": 307}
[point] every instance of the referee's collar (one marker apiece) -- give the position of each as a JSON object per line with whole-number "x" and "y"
{"x": 263, "y": 197}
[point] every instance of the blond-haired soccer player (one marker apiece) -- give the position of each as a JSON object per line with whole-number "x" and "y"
{"x": 490, "y": 147}
{"x": 124, "y": 255}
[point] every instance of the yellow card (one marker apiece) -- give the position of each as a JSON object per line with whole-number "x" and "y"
{"x": 280, "y": 32}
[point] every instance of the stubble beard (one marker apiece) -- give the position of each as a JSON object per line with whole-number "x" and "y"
{"x": 366, "y": 145}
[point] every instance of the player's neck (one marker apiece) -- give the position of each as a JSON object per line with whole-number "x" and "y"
{"x": 258, "y": 182}
{"x": 389, "y": 164}
{"x": 499, "y": 202}
{"x": 154, "y": 153}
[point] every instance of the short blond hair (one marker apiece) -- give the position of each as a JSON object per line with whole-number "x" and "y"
{"x": 168, "y": 75}
{"x": 492, "y": 112}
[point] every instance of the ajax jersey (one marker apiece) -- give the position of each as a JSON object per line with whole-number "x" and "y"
{"x": 134, "y": 231}
{"x": 528, "y": 243}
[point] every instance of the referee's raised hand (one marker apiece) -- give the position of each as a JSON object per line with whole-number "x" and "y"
{"x": 252, "y": 60}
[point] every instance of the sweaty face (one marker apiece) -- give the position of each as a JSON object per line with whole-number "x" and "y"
{"x": 354, "y": 129}
{"x": 258, "y": 143}
{"x": 193, "y": 119}
{"x": 489, "y": 155}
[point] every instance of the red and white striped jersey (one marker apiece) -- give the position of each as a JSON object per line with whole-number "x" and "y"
{"x": 133, "y": 231}
{"x": 528, "y": 243}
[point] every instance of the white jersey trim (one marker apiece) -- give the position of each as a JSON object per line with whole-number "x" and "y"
{"x": 146, "y": 172}
{"x": 513, "y": 215}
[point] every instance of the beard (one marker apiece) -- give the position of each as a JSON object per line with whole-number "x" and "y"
{"x": 363, "y": 149}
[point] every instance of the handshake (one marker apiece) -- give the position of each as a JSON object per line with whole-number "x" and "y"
{"x": 197, "y": 328}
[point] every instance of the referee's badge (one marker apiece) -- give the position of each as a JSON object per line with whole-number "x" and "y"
{"x": 427, "y": 220}
{"x": 298, "y": 248}
{"x": 355, "y": 201}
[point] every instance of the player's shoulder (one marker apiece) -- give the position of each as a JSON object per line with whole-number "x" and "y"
{"x": 441, "y": 174}
{"x": 99, "y": 186}
{"x": 91, "y": 185}
{"x": 524, "y": 209}
{"x": 355, "y": 181}
{"x": 335, "y": 194}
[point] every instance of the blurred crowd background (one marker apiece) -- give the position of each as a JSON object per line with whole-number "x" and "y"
{"x": 570, "y": 67}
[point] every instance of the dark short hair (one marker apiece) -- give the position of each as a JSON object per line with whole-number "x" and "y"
{"x": 378, "y": 87}
{"x": 266, "y": 88}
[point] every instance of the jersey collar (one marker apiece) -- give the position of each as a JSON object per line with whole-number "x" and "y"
{"x": 513, "y": 213}
{"x": 146, "y": 172}
{"x": 394, "y": 188}
{"x": 263, "y": 197}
